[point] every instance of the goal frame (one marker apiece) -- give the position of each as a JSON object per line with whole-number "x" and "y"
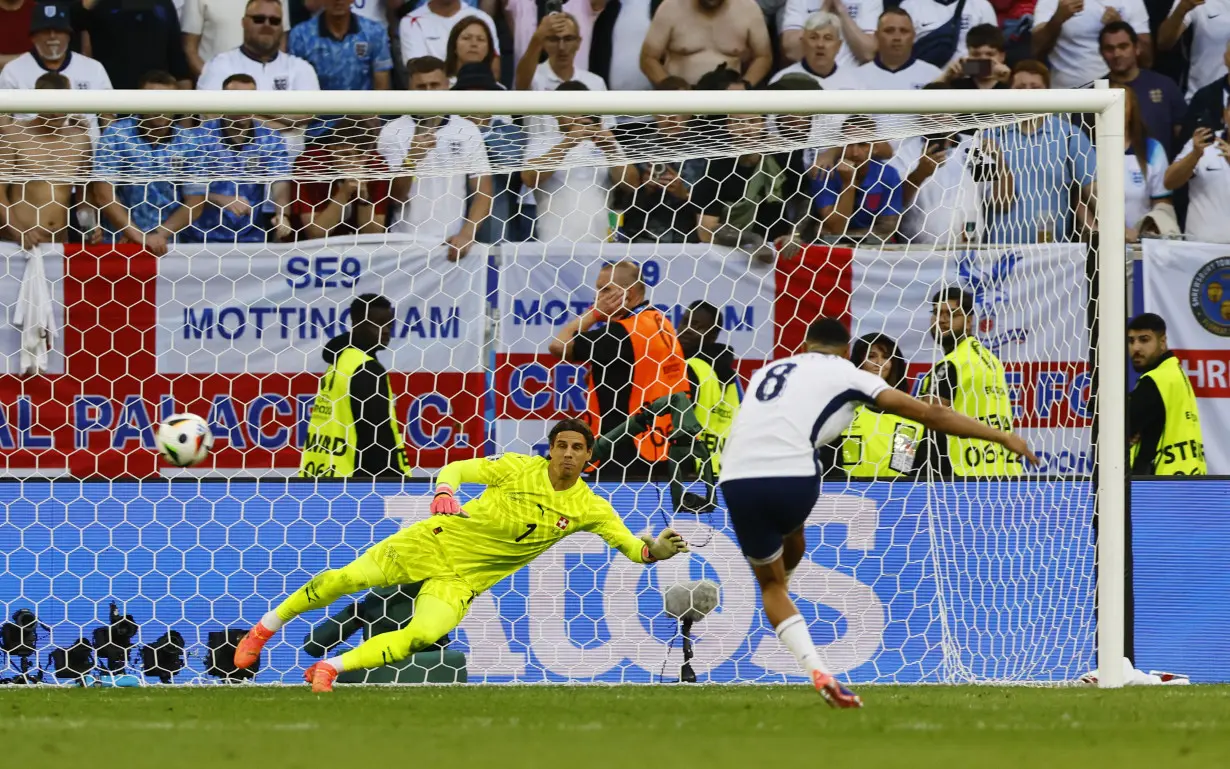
{"x": 1105, "y": 103}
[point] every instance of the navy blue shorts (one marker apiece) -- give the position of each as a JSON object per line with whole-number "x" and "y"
{"x": 764, "y": 510}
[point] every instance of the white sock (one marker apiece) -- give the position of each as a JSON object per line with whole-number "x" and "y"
{"x": 272, "y": 622}
{"x": 336, "y": 663}
{"x": 793, "y": 634}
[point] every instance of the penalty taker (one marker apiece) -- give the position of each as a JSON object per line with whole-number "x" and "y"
{"x": 530, "y": 504}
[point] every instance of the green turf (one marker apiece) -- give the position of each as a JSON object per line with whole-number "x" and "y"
{"x": 583, "y": 727}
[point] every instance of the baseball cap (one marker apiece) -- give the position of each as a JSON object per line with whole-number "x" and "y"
{"x": 50, "y": 16}
{"x": 475, "y": 76}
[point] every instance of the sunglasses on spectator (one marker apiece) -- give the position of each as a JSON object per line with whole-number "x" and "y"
{"x": 260, "y": 18}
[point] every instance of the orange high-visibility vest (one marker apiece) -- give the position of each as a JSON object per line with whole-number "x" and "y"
{"x": 658, "y": 369}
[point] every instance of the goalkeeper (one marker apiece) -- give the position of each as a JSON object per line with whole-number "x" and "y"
{"x": 530, "y": 504}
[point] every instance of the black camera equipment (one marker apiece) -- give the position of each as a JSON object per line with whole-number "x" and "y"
{"x": 113, "y": 641}
{"x": 220, "y": 662}
{"x": 164, "y": 657}
{"x": 74, "y": 662}
{"x": 19, "y": 640}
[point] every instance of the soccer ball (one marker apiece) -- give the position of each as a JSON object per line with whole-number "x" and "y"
{"x": 184, "y": 440}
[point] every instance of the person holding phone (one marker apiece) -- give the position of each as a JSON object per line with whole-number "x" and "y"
{"x": 983, "y": 66}
{"x": 1204, "y": 166}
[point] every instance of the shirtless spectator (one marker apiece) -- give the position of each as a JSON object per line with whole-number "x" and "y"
{"x": 688, "y": 38}
{"x": 45, "y": 150}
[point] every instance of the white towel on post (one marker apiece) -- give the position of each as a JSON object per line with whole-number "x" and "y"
{"x": 35, "y": 316}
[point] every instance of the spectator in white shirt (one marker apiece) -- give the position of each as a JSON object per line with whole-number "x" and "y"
{"x": 213, "y": 26}
{"x": 951, "y": 183}
{"x": 50, "y": 36}
{"x": 856, "y": 19}
{"x": 930, "y": 15}
{"x": 1202, "y": 165}
{"x": 424, "y": 31}
{"x": 572, "y": 201}
{"x": 1067, "y": 31}
{"x": 524, "y": 17}
{"x": 894, "y": 66}
{"x": 424, "y": 150}
{"x": 620, "y": 27}
{"x": 1211, "y": 33}
{"x": 260, "y": 55}
{"x": 559, "y": 35}
{"x": 821, "y": 51}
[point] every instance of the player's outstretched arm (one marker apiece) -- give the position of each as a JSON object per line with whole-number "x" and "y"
{"x": 942, "y": 419}
{"x": 603, "y": 521}
{"x": 490, "y": 472}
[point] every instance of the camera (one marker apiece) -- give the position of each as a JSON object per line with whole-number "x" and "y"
{"x": 981, "y": 166}
{"x": 19, "y": 640}
{"x": 112, "y": 641}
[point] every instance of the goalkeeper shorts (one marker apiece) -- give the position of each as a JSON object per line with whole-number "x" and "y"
{"x": 765, "y": 510}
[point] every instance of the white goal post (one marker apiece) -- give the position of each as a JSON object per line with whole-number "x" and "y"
{"x": 900, "y": 107}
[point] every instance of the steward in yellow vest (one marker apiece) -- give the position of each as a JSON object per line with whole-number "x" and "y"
{"x": 353, "y": 430}
{"x": 879, "y": 444}
{"x": 712, "y": 379}
{"x": 1163, "y": 421}
{"x": 971, "y": 381}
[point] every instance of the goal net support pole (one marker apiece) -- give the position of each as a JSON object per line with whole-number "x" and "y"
{"x": 1111, "y": 362}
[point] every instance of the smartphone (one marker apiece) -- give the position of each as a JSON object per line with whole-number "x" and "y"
{"x": 553, "y": 6}
{"x": 1209, "y": 120}
{"x": 976, "y": 68}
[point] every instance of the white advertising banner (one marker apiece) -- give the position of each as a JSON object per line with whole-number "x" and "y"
{"x": 543, "y": 286}
{"x": 270, "y": 308}
{"x": 1188, "y": 284}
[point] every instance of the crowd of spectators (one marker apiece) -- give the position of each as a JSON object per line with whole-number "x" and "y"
{"x": 1030, "y": 181}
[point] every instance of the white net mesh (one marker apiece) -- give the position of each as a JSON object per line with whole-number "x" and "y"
{"x": 171, "y": 264}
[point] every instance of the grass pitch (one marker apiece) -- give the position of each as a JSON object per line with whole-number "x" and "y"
{"x": 504, "y": 727}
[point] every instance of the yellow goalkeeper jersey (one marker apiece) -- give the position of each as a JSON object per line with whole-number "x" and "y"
{"x": 519, "y": 516}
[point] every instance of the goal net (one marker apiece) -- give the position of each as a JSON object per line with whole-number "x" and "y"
{"x": 170, "y": 252}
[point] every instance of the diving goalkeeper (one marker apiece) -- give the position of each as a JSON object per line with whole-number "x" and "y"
{"x": 530, "y": 504}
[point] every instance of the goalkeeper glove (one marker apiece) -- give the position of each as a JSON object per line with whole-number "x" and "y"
{"x": 667, "y": 545}
{"x": 443, "y": 503}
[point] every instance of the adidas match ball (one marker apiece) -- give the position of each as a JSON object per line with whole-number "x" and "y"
{"x": 184, "y": 440}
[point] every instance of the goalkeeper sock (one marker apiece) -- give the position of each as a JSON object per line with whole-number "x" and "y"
{"x": 272, "y": 622}
{"x": 794, "y": 636}
{"x": 336, "y": 663}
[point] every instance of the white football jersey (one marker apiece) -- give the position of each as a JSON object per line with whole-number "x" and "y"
{"x": 792, "y": 407}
